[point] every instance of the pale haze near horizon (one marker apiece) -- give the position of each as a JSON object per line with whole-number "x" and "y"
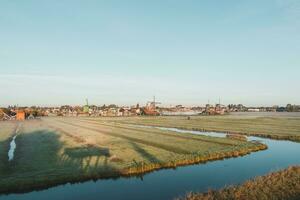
{"x": 124, "y": 52}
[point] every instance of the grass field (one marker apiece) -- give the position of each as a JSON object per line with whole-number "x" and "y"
{"x": 53, "y": 151}
{"x": 280, "y": 185}
{"x": 285, "y": 126}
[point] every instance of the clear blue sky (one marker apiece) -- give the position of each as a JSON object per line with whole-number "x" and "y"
{"x": 184, "y": 52}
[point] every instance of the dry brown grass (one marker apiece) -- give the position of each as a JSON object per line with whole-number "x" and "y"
{"x": 280, "y": 185}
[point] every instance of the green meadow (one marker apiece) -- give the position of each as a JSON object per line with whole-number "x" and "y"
{"x": 53, "y": 151}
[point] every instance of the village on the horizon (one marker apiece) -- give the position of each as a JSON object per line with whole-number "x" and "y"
{"x": 151, "y": 108}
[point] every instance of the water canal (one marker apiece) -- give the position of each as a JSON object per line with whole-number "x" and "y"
{"x": 171, "y": 183}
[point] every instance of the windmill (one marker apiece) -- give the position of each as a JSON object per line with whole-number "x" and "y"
{"x": 151, "y": 105}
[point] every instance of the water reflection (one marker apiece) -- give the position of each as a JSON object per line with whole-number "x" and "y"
{"x": 170, "y": 183}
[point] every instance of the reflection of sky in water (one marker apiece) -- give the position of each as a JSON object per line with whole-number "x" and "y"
{"x": 214, "y": 134}
{"x": 12, "y": 149}
{"x": 170, "y": 183}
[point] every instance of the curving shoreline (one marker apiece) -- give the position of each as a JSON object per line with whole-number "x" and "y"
{"x": 292, "y": 138}
{"x": 183, "y": 179}
{"x": 284, "y": 184}
{"x": 138, "y": 170}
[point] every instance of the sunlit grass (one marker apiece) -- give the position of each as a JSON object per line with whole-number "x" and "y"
{"x": 276, "y": 127}
{"x": 280, "y": 185}
{"x": 59, "y": 150}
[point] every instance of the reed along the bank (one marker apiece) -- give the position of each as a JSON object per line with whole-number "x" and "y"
{"x": 279, "y": 185}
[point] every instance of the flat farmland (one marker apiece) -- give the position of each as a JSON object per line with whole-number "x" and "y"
{"x": 282, "y": 126}
{"x": 54, "y": 151}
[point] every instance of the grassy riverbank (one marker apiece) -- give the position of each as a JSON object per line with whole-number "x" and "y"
{"x": 59, "y": 150}
{"x": 280, "y": 185}
{"x": 284, "y": 126}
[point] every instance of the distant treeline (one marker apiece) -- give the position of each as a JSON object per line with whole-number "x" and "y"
{"x": 293, "y": 108}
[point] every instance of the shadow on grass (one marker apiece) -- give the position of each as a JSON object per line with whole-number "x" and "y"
{"x": 40, "y": 161}
{"x": 4, "y": 147}
{"x": 85, "y": 151}
{"x": 82, "y": 157}
{"x": 144, "y": 154}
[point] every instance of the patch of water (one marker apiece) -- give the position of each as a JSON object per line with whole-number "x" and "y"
{"x": 13, "y": 146}
{"x": 12, "y": 149}
{"x": 170, "y": 183}
{"x": 211, "y": 134}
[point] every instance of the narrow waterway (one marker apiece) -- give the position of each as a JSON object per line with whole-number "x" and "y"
{"x": 170, "y": 183}
{"x": 12, "y": 146}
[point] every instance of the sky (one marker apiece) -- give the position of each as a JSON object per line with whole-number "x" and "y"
{"x": 187, "y": 52}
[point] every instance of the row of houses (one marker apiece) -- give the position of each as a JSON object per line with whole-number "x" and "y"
{"x": 219, "y": 109}
{"x": 288, "y": 108}
{"x": 19, "y": 115}
{"x": 151, "y": 108}
{"x": 109, "y": 111}
{"x": 180, "y": 110}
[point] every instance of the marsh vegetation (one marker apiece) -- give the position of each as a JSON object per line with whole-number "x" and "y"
{"x": 279, "y": 185}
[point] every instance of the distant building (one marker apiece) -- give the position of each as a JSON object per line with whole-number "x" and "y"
{"x": 253, "y": 110}
{"x": 150, "y": 109}
{"x": 281, "y": 109}
{"x": 1, "y": 114}
{"x": 146, "y": 111}
{"x": 218, "y": 109}
{"x": 20, "y": 116}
